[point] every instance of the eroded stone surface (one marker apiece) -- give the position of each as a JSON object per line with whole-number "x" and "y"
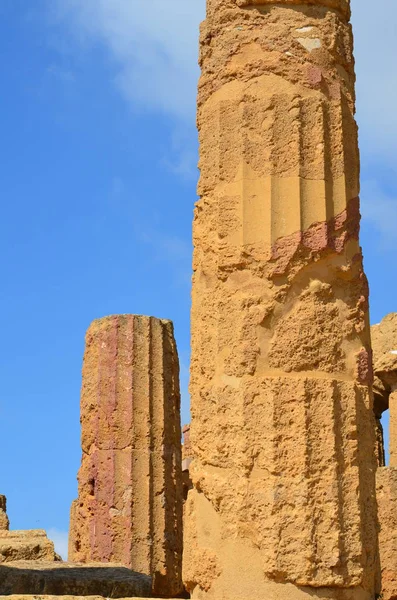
{"x": 25, "y": 545}
{"x": 66, "y": 579}
{"x": 129, "y": 508}
{"x": 284, "y": 492}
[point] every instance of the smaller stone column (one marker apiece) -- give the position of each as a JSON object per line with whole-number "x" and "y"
{"x": 129, "y": 506}
{"x": 4, "y": 522}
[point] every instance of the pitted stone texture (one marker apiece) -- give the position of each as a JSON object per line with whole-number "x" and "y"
{"x": 4, "y": 522}
{"x": 66, "y": 579}
{"x": 129, "y": 508}
{"x": 386, "y": 494}
{"x": 25, "y": 545}
{"x": 282, "y": 429}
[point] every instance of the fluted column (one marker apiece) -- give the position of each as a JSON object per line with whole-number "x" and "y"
{"x": 129, "y": 506}
{"x": 282, "y": 424}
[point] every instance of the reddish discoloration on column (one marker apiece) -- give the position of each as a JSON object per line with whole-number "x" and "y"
{"x": 130, "y": 478}
{"x": 332, "y": 235}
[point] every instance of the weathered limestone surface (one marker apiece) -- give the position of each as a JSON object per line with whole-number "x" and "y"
{"x": 65, "y": 579}
{"x": 282, "y": 427}
{"x": 25, "y": 545}
{"x": 384, "y": 344}
{"x": 4, "y": 522}
{"x": 129, "y": 507}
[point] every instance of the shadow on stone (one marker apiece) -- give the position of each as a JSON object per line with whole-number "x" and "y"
{"x": 107, "y": 580}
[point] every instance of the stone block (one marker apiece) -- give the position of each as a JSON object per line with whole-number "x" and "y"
{"x": 25, "y": 545}
{"x": 66, "y": 579}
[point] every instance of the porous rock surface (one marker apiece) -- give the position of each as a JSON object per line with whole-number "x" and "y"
{"x": 66, "y": 579}
{"x": 129, "y": 506}
{"x": 25, "y": 545}
{"x": 282, "y": 429}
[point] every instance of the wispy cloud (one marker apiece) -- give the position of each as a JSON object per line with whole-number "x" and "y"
{"x": 64, "y": 75}
{"x": 60, "y": 539}
{"x": 154, "y": 54}
{"x": 376, "y": 53}
{"x": 171, "y": 249}
{"x": 379, "y": 210}
{"x": 154, "y": 50}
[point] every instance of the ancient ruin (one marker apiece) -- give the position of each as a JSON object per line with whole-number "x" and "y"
{"x": 384, "y": 344}
{"x": 282, "y": 427}
{"x": 129, "y": 508}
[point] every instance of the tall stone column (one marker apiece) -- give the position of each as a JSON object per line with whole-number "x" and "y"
{"x": 282, "y": 430}
{"x": 129, "y": 506}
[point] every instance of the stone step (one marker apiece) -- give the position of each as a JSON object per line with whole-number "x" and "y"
{"x": 46, "y": 597}
{"x": 31, "y": 544}
{"x": 38, "y": 578}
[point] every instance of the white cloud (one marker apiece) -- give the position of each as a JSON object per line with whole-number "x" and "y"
{"x": 154, "y": 51}
{"x": 155, "y": 55}
{"x": 154, "y": 47}
{"x": 60, "y": 539}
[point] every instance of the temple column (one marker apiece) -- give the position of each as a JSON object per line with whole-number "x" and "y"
{"x": 129, "y": 506}
{"x": 283, "y": 430}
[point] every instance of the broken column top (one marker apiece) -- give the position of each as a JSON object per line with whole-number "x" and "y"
{"x": 342, "y": 6}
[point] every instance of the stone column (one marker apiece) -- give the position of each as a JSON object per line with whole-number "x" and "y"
{"x": 282, "y": 429}
{"x": 129, "y": 506}
{"x": 393, "y": 426}
{"x": 4, "y": 522}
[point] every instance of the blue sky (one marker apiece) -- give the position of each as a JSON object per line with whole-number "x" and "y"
{"x": 98, "y": 171}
